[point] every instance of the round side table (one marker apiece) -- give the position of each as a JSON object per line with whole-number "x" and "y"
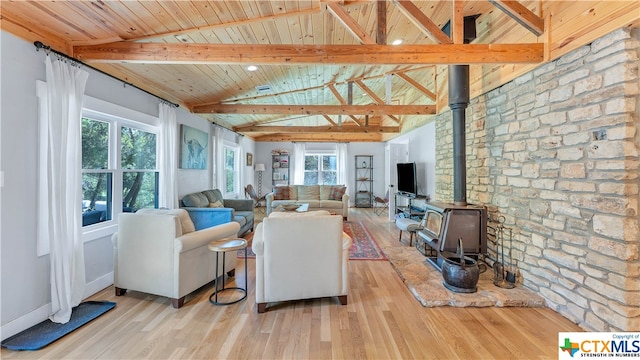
{"x": 223, "y": 247}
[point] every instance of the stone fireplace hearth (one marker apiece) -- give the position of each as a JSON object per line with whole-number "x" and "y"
{"x": 425, "y": 283}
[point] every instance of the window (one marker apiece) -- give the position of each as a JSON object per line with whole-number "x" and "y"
{"x": 139, "y": 175}
{"x": 132, "y": 181}
{"x": 320, "y": 169}
{"x": 97, "y": 178}
{"x": 231, "y": 173}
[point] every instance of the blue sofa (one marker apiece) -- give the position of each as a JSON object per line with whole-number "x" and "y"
{"x": 199, "y": 205}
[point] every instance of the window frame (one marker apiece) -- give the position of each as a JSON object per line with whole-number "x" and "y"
{"x": 228, "y": 145}
{"x": 320, "y": 154}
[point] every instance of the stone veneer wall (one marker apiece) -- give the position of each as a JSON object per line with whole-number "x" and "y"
{"x": 556, "y": 153}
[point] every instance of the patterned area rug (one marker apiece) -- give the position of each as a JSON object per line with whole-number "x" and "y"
{"x": 364, "y": 246}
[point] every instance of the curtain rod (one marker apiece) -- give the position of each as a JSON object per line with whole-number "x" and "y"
{"x": 226, "y": 128}
{"x": 39, "y": 45}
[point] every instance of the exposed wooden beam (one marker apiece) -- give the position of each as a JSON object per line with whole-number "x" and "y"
{"x": 163, "y": 53}
{"x": 375, "y": 98}
{"x": 320, "y": 129}
{"x": 336, "y": 93}
{"x": 416, "y": 85}
{"x": 317, "y": 109}
{"x": 457, "y": 21}
{"x": 378, "y": 100}
{"x": 349, "y": 23}
{"x": 521, "y": 14}
{"x": 420, "y": 20}
{"x": 322, "y": 137}
{"x": 329, "y": 120}
{"x": 381, "y": 34}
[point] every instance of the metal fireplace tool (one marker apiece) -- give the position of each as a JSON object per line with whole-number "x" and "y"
{"x": 503, "y": 278}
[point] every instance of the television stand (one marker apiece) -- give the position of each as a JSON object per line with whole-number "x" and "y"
{"x": 408, "y": 209}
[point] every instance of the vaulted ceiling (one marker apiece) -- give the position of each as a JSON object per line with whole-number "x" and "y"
{"x": 326, "y": 70}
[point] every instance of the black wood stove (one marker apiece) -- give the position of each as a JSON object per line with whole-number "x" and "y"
{"x": 445, "y": 223}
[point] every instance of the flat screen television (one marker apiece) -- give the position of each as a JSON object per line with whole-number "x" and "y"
{"x": 407, "y": 182}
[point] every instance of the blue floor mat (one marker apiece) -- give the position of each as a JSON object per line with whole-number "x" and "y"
{"x": 46, "y": 332}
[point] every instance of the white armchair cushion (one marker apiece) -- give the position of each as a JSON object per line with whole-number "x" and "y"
{"x": 186, "y": 224}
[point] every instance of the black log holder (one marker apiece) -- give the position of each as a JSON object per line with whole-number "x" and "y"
{"x": 460, "y": 273}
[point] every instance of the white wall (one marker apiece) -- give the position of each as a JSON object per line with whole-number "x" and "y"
{"x": 422, "y": 150}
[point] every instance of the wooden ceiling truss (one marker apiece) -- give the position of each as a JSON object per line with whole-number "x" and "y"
{"x": 213, "y": 36}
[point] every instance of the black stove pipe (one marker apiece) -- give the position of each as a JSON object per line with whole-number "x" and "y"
{"x": 458, "y": 102}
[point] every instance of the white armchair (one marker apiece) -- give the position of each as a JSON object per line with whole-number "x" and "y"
{"x": 300, "y": 257}
{"x": 159, "y": 252}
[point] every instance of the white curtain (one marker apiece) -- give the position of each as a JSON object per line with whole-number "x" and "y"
{"x": 342, "y": 158}
{"x": 298, "y": 163}
{"x": 168, "y": 158}
{"x": 60, "y": 186}
{"x": 219, "y": 158}
{"x": 241, "y": 167}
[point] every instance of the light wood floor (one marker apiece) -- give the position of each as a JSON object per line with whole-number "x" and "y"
{"x": 381, "y": 321}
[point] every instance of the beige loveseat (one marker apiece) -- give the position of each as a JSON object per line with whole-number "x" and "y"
{"x": 301, "y": 256}
{"x": 332, "y": 198}
{"x": 159, "y": 252}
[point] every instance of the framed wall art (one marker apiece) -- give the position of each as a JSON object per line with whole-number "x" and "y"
{"x": 194, "y": 148}
{"x": 249, "y": 159}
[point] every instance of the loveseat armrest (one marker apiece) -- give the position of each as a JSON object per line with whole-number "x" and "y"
{"x": 345, "y": 206}
{"x": 203, "y": 237}
{"x": 239, "y": 204}
{"x": 268, "y": 200}
{"x": 207, "y": 217}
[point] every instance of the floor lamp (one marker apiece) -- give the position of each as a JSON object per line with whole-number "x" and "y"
{"x": 260, "y": 168}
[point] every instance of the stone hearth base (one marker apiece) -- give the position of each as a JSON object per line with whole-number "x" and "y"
{"x": 425, "y": 283}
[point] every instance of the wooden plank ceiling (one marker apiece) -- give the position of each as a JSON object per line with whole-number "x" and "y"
{"x": 326, "y": 70}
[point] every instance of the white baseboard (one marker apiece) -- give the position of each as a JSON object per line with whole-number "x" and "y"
{"x": 98, "y": 285}
{"x": 42, "y": 313}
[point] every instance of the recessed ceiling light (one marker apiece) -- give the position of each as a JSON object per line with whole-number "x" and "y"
{"x": 397, "y": 42}
{"x": 252, "y": 68}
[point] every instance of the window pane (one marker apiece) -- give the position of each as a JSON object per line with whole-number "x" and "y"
{"x": 329, "y": 162}
{"x": 95, "y": 144}
{"x": 311, "y": 162}
{"x": 139, "y": 190}
{"x": 310, "y": 178}
{"x": 138, "y": 149}
{"x": 96, "y": 198}
{"x": 329, "y": 177}
{"x": 230, "y": 162}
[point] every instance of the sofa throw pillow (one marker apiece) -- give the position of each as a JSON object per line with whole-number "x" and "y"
{"x": 216, "y": 204}
{"x": 281, "y": 193}
{"x": 336, "y": 192}
{"x": 213, "y": 195}
{"x": 195, "y": 200}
